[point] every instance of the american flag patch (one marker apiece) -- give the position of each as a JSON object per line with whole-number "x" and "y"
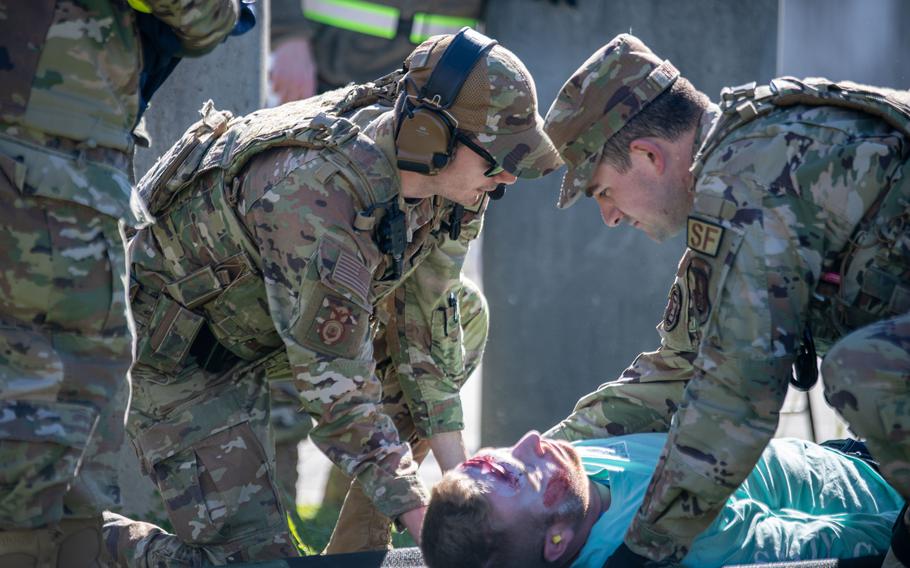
{"x": 353, "y": 275}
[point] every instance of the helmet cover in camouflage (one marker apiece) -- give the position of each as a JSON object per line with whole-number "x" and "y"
{"x": 610, "y": 88}
{"x": 497, "y": 104}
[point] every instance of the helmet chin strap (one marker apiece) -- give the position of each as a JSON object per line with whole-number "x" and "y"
{"x": 497, "y": 193}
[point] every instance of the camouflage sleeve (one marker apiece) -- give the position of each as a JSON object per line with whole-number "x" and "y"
{"x": 747, "y": 285}
{"x": 200, "y": 24}
{"x": 317, "y": 283}
{"x": 764, "y": 211}
{"x": 431, "y": 356}
{"x": 647, "y": 394}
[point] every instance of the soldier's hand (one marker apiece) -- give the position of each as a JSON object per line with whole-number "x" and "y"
{"x": 623, "y": 557}
{"x": 413, "y": 522}
{"x": 293, "y": 72}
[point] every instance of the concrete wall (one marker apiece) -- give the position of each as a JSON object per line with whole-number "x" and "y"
{"x": 234, "y": 77}
{"x": 572, "y": 302}
{"x": 860, "y": 40}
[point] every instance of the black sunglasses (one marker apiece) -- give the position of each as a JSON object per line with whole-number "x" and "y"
{"x": 495, "y": 169}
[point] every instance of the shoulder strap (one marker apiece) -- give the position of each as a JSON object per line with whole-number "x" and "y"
{"x": 221, "y": 141}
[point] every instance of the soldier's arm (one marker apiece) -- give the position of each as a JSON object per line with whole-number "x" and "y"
{"x": 199, "y": 24}
{"x": 747, "y": 299}
{"x": 642, "y": 399}
{"x": 317, "y": 286}
{"x": 647, "y": 394}
{"x": 431, "y": 345}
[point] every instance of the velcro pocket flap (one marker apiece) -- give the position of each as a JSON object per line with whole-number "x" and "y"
{"x": 190, "y": 425}
{"x": 196, "y": 288}
{"x": 174, "y": 329}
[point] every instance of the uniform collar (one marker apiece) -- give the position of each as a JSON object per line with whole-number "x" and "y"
{"x": 381, "y": 129}
{"x": 706, "y": 127}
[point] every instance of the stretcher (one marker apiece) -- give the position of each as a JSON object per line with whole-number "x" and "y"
{"x": 411, "y": 558}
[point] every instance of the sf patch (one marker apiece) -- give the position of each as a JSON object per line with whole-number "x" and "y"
{"x": 704, "y": 236}
{"x": 674, "y": 305}
{"x": 338, "y": 327}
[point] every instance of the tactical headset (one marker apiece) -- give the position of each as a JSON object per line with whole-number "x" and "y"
{"x": 426, "y": 132}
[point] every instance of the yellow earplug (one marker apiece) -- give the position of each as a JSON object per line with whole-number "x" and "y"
{"x": 140, "y": 6}
{"x": 557, "y": 538}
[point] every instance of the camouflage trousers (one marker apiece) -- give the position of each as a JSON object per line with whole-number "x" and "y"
{"x": 64, "y": 355}
{"x": 867, "y": 381}
{"x": 360, "y": 526}
{"x": 203, "y": 438}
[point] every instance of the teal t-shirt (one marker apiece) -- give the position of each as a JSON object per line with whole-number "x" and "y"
{"x": 802, "y": 501}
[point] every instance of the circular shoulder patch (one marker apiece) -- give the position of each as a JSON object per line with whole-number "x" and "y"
{"x": 674, "y": 304}
{"x": 338, "y": 326}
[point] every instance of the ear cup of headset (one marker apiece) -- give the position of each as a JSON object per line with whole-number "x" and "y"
{"x": 424, "y": 141}
{"x": 426, "y": 135}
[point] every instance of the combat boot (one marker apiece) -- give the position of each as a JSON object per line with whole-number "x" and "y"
{"x": 73, "y": 543}
{"x": 899, "y": 554}
{"x": 360, "y": 526}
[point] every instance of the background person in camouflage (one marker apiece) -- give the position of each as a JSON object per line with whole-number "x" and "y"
{"x": 267, "y": 261}
{"x": 319, "y": 45}
{"x": 68, "y": 105}
{"x": 794, "y": 221}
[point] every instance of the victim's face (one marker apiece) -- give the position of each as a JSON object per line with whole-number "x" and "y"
{"x": 540, "y": 478}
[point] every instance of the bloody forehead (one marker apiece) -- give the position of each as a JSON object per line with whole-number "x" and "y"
{"x": 488, "y": 465}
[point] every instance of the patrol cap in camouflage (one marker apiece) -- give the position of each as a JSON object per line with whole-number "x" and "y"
{"x": 610, "y": 88}
{"x": 497, "y": 104}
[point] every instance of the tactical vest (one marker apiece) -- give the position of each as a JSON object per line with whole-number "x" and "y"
{"x": 878, "y": 252}
{"x": 229, "y": 295}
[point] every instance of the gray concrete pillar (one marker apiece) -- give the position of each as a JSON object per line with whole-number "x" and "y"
{"x": 573, "y": 302}
{"x": 860, "y": 40}
{"x": 234, "y": 77}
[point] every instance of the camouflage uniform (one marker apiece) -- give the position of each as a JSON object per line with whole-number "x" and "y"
{"x": 67, "y": 108}
{"x": 360, "y": 526}
{"x": 265, "y": 264}
{"x": 798, "y": 221}
{"x": 343, "y": 56}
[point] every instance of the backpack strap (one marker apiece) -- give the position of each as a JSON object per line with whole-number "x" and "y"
{"x": 743, "y": 104}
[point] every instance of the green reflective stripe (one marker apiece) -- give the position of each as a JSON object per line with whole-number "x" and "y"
{"x": 426, "y": 25}
{"x": 355, "y": 15}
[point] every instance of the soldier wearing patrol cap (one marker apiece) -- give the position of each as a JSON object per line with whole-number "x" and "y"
{"x": 320, "y": 241}
{"x": 317, "y": 46}
{"x": 795, "y": 198}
